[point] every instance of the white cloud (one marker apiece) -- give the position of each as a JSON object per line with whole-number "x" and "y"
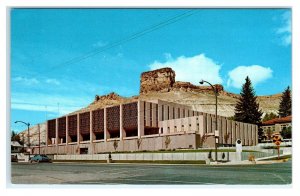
{"x": 285, "y": 30}
{"x": 26, "y": 81}
{"x": 53, "y": 81}
{"x": 256, "y": 74}
{"x": 192, "y": 69}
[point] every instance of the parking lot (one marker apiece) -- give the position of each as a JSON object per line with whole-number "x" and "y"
{"x": 150, "y": 174}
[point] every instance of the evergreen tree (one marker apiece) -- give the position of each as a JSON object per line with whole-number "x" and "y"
{"x": 269, "y": 116}
{"x": 285, "y": 106}
{"x": 247, "y": 108}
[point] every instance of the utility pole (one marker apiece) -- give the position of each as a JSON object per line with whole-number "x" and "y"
{"x": 216, "y": 122}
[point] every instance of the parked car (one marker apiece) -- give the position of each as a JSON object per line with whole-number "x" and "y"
{"x": 14, "y": 158}
{"x": 40, "y": 158}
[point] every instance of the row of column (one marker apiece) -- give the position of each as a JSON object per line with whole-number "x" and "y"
{"x": 140, "y": 127}
{"x": 231, "y": 130}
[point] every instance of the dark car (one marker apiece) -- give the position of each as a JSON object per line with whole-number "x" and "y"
{"x": 40, "y": 158}
{"x": 14, "y": 158}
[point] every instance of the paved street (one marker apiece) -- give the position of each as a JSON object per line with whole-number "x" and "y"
{"x": 96, "y": 173}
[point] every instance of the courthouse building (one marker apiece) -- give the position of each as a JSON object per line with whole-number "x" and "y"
{"x": 142, "y": 125}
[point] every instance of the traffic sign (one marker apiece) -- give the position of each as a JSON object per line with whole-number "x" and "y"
{"x": 277, "y": 140}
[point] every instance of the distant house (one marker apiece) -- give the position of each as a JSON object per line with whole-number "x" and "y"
{"x": 275, "y": 126}
{"x": 16, "y": 147}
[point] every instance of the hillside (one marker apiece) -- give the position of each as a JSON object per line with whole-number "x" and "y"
{"x": 161, "y": 84}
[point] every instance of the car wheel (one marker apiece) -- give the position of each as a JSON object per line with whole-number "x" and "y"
{"x": 37, "y": 161}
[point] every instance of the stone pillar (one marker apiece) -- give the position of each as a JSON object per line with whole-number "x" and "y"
{"x": 241, "y": 130}
{"x": 233, "y": 132}
{"x": 204, "y": 123}
{"x": 154, "y": 117}
{"x": 147, "y": 114}
{"x": 106, "y": 133}
{"x": 256, "y": 135}
{"x": 47, "y": 137}
{"x": 67, "y": 130}
{"x": 229, "y": 130}
{"x": 56, "y": 132}
{"x": 224, "y": 131}
{"x": 141, "y": 114}
{"x": 219, "y": 128}
{"x": 201, "y": 125}
{"x": 249, "y": 131}
{"x": 92, "y": 135}
{"x": 166, "y": 114}
{"x": 122, "y": 131}
{"x": 78, "y": 129}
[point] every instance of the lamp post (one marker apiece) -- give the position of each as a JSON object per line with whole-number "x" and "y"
{"x": 216, "y": 122}
{"x": 28, "y": 138}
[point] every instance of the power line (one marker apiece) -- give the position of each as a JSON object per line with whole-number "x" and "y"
{"x": 127, "y": 39}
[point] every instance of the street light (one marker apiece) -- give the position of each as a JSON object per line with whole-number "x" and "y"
{"x": 28, "y": 124}
{"x": 216, "y": 122}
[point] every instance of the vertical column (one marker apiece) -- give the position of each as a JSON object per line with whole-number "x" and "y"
{"x": 92, "y": 135}
{"x": 229, "y": 131}
{"x": 209, "y": 127}
{"x": 213, "y": 123}
{"x": 47, "y": 137}
{"x": 201, "y": 125}
{"x": 56, "y": 132}
{"x": 166, "y": 115}
{"x": 106, "y": 133}
{"x": 160, "y": 111}
{"x": 219, "y": 128}
{"x": 248, "y": 134}
{"x": 253, "y": 135}
{"x": 122, "y": 131}
{"x": 233, "y": 132}
{"x": 67, "y": 130}
{"x": 141, "y": 113}
{"x": 204, "y": 123}
{"x": 171, "y": 114}
{"x": 224, "y": 131}
{"x": 147, "y": 114}
{"x": 256, "y": 135}
{"x": 154, "y": 117}
{"x": 186, "y": 112}
{"x": 78, "y": 129}
{"x": 241, "y": 130}
{"x": 176, "y": 112}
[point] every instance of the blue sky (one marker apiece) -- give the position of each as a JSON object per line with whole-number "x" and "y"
{"x": 218, "y": 45}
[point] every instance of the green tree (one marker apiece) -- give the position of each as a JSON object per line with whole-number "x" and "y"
{"x": 286, "y": 133}
{"x": 269, "y": 116}
{"x": 247, "y": 108}
{"x": 285, "y": 106}
{"x": 15, "y": 136}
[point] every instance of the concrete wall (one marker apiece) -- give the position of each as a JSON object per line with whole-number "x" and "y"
{"x": 179, "y": 130}
{"x": 149, "y": 143}
{"x": 165, "y": 156}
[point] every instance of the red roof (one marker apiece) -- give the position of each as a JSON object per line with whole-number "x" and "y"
{"x": 274, "y": 121}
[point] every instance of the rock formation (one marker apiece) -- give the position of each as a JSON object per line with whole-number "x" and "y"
{"x": 163, "y": 80}
{"x": 160, "y": 80}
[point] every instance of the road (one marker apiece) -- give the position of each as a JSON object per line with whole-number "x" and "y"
{"x": 146, "y": 174}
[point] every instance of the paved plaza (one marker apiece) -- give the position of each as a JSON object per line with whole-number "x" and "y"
{"x": 146, "y": 174}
